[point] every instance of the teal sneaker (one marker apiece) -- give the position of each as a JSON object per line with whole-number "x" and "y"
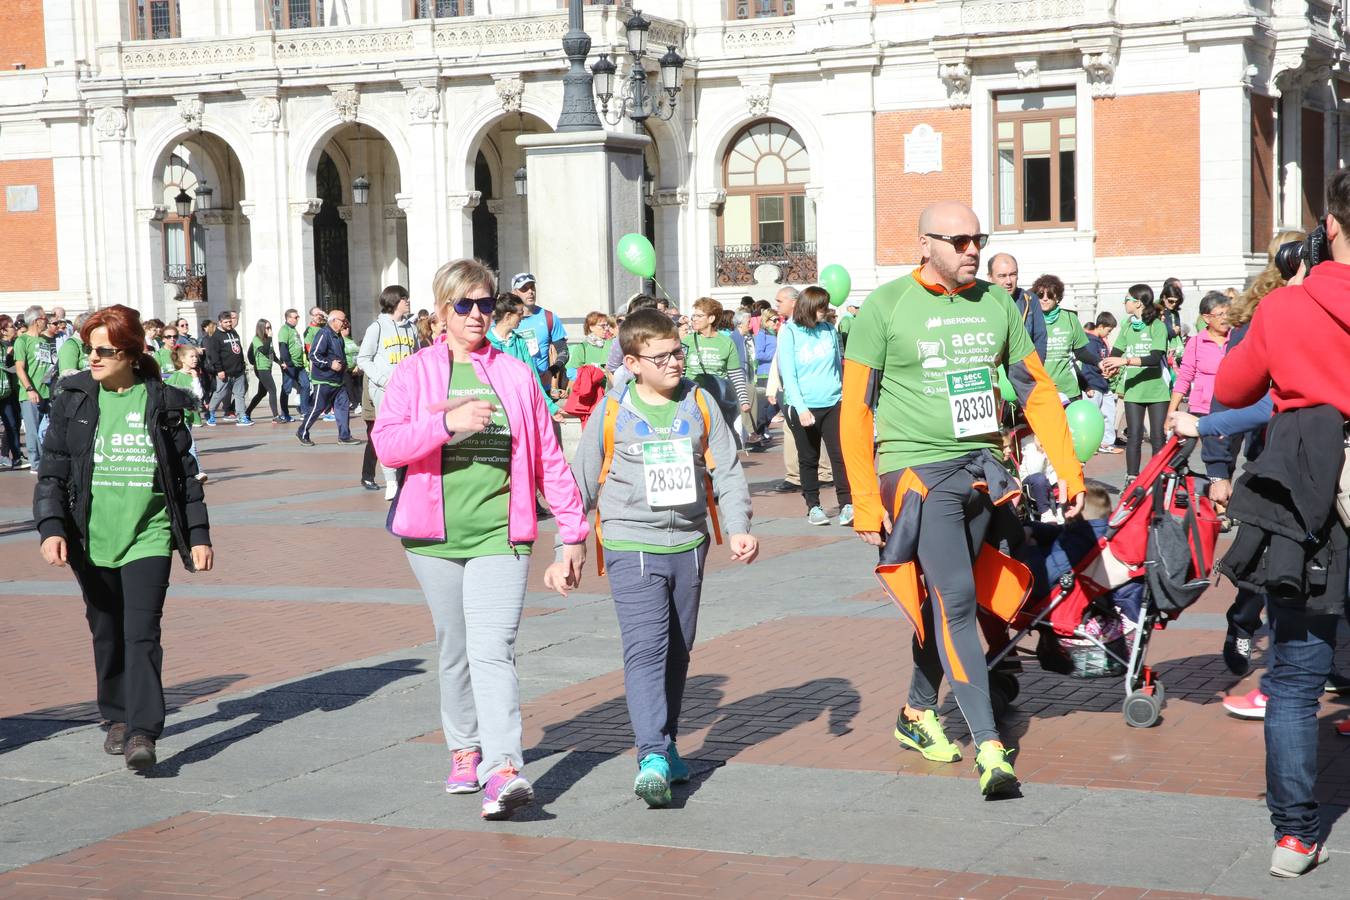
{"x": 925, "y": 734}
{"x": 653, "y": 780}
{"x": 679, "y": 769}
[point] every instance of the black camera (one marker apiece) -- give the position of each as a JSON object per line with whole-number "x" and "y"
{"x": 1310, "y": 252}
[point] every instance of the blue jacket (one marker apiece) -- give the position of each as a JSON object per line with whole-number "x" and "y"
{"x": 1032, "y": 317}
{"x": 1091, "y": 375}
{"x": 766, "y": 345}
{"x": 1057, "y": 550}
{"x": 327, "y": 347}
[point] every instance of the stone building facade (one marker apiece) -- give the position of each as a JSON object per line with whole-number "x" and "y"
{"x": 1107, "y": 141}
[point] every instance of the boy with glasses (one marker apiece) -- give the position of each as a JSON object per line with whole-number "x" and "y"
{"x": 649, "y": 458}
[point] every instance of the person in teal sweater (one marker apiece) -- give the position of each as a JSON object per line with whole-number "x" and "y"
{"x": 506, "y": 317}
{"x": 810, "y": 365}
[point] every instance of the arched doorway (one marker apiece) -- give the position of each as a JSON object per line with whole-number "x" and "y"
{"x": 767, "y": 217}
{"x": 484, "y": 220}
{"x": 332, "y": 282}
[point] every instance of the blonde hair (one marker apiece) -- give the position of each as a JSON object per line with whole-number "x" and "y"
{"x": 454, "y": 279}
{"x": 180, "y": 355}
{"x": 1244, "y": 307}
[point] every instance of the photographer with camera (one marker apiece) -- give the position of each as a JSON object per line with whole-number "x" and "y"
{"x": 1292, "y": 543}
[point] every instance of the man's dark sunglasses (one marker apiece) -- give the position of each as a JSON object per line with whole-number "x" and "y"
{"x": 961, "y": 241}
{"x": 485, "y": 305}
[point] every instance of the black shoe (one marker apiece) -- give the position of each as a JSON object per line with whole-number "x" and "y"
{"x": 827, "y": 484}
{"x": 115, "y": 742}
{"x": 139, "y": 752}
{"x": 1237, "y": 650}
{"x": 369, "y": 485}
{"x": 787, "y": 487}
{"x": 304, "y": 440}
{"x": 350, "y": 440}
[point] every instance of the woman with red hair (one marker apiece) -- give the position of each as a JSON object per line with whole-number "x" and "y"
{"x": 116, "y": 494}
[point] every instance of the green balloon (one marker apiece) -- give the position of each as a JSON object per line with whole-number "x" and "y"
{"x": 1087, "y": 427}
{"x": 637, "y": 255}
{"x": 1005, "y": 387}
{"x": 835, "y": 280}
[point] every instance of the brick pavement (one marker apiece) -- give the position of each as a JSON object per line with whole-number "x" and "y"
{"x": 224, "y": 856}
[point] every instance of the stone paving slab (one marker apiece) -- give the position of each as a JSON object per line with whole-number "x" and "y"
{"x": 230, "y": 856}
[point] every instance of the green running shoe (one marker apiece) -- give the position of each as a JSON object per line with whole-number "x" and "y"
{"x": 996, "y": 773}
{"x": 679, "y": 769}
{"x": 653, "y": 780}
{"x": 925, "y": 735}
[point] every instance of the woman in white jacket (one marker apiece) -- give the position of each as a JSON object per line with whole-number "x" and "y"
{"x": 389, "y": 340}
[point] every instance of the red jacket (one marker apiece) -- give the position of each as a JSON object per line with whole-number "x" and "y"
{"x": 1298, "y": 347}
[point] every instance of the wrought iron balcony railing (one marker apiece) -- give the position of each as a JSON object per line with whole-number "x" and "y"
{"x": 736, "y": 263}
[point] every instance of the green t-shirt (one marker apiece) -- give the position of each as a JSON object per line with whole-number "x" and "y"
{"x": 39, "y": 358}
{"x": 1061, "y": 339}
{"x": 261, "y": 361}
{"x": 475, "y": 482}
{"x": 184, "y": 381}
{"x": 289, "y": 338}
{"x": 71, "y": 357}
{"x": 714, "y": 355}
{"x": 661, "y": 418}
{"x": 915, "y": 339}
{"x": 1143, "y": 384}
{"x": 163, "y": 356}
{"x": 587, "y": 354}
{"x": 310, "y": 332}
{"x": 127, "y": 516}
{"x": 350, "y": 348}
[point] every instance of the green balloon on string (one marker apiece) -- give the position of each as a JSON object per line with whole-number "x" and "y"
{"x": 1087, "y": 426}
{"x": 637, "y": 255}
{"x": 836, "y": 281}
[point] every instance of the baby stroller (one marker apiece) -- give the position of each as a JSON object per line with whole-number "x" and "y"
{"x": 1157, "y": 551}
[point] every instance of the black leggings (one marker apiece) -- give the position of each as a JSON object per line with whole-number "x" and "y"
{"x": 807, "y": 439}
{"x": 1134, "y": 421}
{"x": 124, "y": 607}
{"x": 368, "y": 460}
{"x": 952, "y": 527}
{"x": 267, "y": 387}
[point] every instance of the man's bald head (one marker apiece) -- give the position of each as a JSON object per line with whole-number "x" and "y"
{"x": 1003, "y": 271}
{"x": 949, "y": 243}
{"x": 948, "y": 217}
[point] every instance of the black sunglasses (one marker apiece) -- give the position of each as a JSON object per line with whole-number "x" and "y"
{"x": 485, "y": 305}
{"x": 961, "y": 241}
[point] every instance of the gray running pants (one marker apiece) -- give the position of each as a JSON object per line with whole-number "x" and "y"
{"x": 476, "y": 606}
{"x": 656, "y": 598}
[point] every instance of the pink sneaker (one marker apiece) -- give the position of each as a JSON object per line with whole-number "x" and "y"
{"x": 463, "y": 778}
{"x": 505, "y": 792}
{"x": 1251, "y": 705}
{"x": 1343, "y": 728}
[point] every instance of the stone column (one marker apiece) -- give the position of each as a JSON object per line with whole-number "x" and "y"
{"x": 1289, "y": 137}
{"x": 585, "y": 193}
{"x": 459, "y": 231}
{"x": 709, "y": 204}
{"x": 670, "y": 266}
{"x": 125, "y": 276}
{"x": 431, "y": 238}
{"x": 272, "y": 283}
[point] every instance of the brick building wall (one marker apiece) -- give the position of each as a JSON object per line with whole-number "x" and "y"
{"x": 900, "y": 196}
{"x": 1147, "y": 174}
{"x": 28, "y": 239}
{"x": 1263, "y": 171}
{"x": 23, "y": 40}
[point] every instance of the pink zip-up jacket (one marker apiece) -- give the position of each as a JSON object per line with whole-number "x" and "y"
{"x": 407, "y": 434}
{"x": 1199, "y": 365}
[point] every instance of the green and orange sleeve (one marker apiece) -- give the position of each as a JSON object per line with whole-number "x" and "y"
{"x": 856, "y": 430}
{"x": 1040, "y": 400}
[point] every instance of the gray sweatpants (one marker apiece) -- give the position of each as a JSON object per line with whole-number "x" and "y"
{"x": 656, "y": 598}
{"x": 476, "y": 606}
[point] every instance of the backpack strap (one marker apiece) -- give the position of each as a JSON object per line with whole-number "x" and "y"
{"x": 709, "y": 463}
{"x": 611, "y": 415}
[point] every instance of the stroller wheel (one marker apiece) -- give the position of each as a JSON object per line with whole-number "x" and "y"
{"x": 1142, "y": 710}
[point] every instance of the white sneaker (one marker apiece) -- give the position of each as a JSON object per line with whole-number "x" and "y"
{"x": 356, "y": 410}
{"x": 390, "y": 489}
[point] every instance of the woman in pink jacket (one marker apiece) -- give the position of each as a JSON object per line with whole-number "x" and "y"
{"x": 468, "y": 428}
{"x": 1200, "y": 361}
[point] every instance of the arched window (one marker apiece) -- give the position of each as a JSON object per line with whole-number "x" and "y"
{"x": 440, "y": 9}
{"x": 154, "y": 19}
{"x": 767, "y": 216}
{"x": 184, "y": 240}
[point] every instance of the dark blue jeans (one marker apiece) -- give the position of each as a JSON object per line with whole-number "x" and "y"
{"x": 1302, "y": 648}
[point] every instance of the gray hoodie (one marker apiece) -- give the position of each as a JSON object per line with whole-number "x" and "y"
{"x": 385, "y": 344}
{"x": 624, "y": 512}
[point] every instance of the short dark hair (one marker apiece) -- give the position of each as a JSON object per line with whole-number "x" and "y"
{"x": 391, "y": 297}
{"x": 224, "y": 315}
{"x": 1211, "y": 300}
{"x": 1049, "y": 283}
{"x": 1171, "y": 290}
{"x": 645, "y": 301}
{"x": 1338, "y": 196}
{"x": 506, "y": 304}
{"x": 1106, "y": 320}
{"x": 642, "y": 327}
{"x": 809, "y": 305}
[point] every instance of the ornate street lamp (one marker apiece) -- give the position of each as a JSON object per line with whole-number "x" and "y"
{"x": 204, "y": 194}
{"x": 183, "y": 204}
{"x": 361, "y": 190}
{"x": 522, "y": 182}
{"x": 578, "y": 112}
{"x": 635, "y": 100}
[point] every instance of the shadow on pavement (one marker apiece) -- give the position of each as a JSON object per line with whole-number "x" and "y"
{"x": 328, "y": 692}
{"x": 40, "y": 724}
{"x": 604, "y": 731}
